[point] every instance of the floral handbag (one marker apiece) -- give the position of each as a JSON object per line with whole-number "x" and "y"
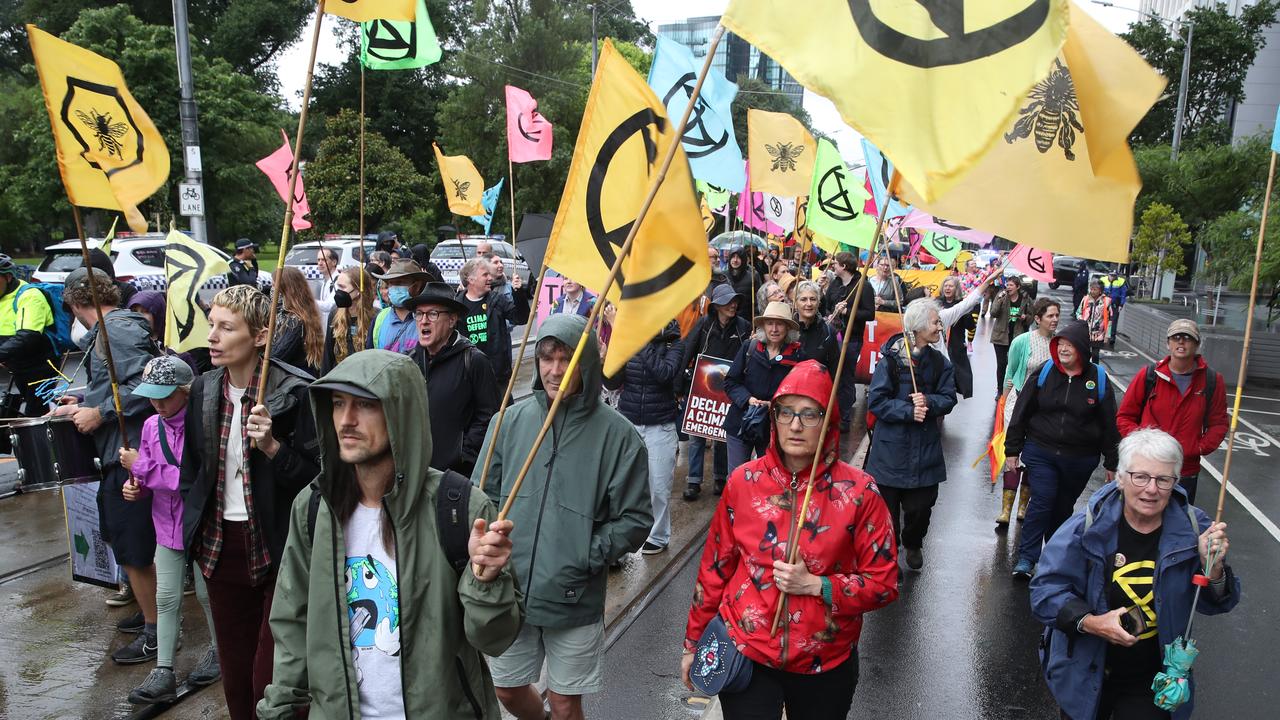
{"x": 718, "y": 666}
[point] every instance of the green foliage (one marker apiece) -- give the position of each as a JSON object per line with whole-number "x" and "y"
{"x": 1161, "y": 237}
{"x": 1231, "y": 241}
{"x": 754, "y": 93}
{"x": 1222, "y": 49}
{"x": 1206, "y": 182}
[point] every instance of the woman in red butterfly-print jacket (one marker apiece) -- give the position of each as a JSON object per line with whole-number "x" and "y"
{"x": 849, "y": 564}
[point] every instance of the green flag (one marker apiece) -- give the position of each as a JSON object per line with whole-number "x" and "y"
{"x": 943, "y": 247}
{"x": 716, "y": 197}
{"x": 399, "y": 44}
{"x": 836, "y": 200}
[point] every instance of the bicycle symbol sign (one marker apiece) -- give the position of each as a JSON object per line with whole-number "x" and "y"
{"x": 190, "y": 200}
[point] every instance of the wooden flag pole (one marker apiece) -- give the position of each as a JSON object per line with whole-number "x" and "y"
{"x": 288, "y": 210}
{"x": 1248, "y": 339}
{"x": 897, "y": 298}
{"x": 102, "y": 328}
{"x": 363, "y": 259}
{"x": 797, "y": 520}
{"x": 614, "y": 271}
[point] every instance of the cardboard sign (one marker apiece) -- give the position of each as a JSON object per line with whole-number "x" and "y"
{"x": 552, "y": 289}
{"x": 708, "y": 403}
{"x": 92, "y": 561}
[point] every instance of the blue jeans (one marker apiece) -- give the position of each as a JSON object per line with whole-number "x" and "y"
{"x": 660, "y": 441}
{"x": 719, "y": 460}
{"x": 740, "y": 452}
{"x": 1056, "y": 482}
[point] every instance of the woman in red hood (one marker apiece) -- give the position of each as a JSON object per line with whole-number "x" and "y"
{"x": 848, "y": 564}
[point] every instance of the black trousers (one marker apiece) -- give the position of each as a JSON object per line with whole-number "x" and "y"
{"x": 1188, "y": 483}
{"x": 1131, "y": 701}
{"x": 822, "y": 696}
{"x": 1002, "y": 362}
{"x": 910, "y": 509}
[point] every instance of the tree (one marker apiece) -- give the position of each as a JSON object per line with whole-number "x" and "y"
{"x": 1159, "y": 243}
{"x": 756, "y": 94}
{"x": 1223, "y": 47}
{"x": 1231, "y": 241}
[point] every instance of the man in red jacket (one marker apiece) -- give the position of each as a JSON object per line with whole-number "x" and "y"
{"x": 1186, "y": 399}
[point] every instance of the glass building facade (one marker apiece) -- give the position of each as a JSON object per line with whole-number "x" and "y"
{"x": 735, "y": 57}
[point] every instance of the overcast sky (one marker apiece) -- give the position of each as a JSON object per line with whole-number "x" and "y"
{"x": 292, "y": 64}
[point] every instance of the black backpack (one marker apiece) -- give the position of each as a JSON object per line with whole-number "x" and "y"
{"x": 1210, "y": 384}
{"x": 451, "y": 516}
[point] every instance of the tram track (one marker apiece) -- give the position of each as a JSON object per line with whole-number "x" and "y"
{"x": 33, "y": 568}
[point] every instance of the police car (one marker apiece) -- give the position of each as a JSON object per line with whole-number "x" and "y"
{"x": 449, "y": 256}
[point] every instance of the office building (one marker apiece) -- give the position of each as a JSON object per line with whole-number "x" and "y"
{"x": 735, "y": 57}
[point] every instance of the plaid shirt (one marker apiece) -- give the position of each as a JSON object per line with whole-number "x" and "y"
{"x": 211, "y": 535}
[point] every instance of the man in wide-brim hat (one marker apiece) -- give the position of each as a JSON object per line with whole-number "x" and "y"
{"x": 394, "y": 329}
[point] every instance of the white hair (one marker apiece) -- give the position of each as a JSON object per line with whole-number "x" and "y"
{"x": 916, "y": 316}
{"x": 810, "y": 286}
{"x": 1152, "y": 444}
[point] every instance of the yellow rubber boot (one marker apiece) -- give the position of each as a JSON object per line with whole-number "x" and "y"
{"x": 1022, "y": 501}
{"x": 1006, "y": 507}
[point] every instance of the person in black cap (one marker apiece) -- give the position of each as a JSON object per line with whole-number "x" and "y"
{"x": 102, "y": 261}
{"x": 461, "y": 389}
{"x": 244, "y": 267}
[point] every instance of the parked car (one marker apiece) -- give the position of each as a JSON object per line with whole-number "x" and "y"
{"x": 137, "y": 259}
{"x": 303, "y": 255}
{"x": 451, "y": 254}
{"x": 1065, "y": 268}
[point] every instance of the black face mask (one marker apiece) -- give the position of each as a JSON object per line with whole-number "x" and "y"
{"x": 342, "y": 298}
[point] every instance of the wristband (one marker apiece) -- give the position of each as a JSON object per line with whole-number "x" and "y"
{"x": 826, "y": 590}
{"x": 1080, "y": 624}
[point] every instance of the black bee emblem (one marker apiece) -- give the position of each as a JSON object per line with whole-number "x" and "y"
{"x": 784, "y": 156}
{"x": 1052, "y": 115}
{"x": 107, "y": 133}
{"x": 461, "y": 189}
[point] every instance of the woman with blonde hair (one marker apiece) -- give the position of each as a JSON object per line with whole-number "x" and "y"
{"x": 349, "y": 324}
{"x": 299, "y": 339}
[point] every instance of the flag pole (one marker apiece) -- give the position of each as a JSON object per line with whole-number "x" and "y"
{"x": 614, "y": 272}
{"x": 363, "y": 259}
{"x": 102, "y": 328}
{"x": 288, "y": 210}
{"x": 897, "y": 298}
{"x": 1248, "y": 339}
{"x": 797, "y": 520}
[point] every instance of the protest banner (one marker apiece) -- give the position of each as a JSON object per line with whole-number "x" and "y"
{"x": 708, "y": 403}
{"x": 92, "y": 561}
{"x": 885, "y": 326}
{"x": 552, "y": 289}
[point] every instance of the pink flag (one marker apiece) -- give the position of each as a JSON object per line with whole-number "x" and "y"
{"x": 751, "y": 210}
{"x": 924, "y": 221}
{"x": 1037, "y": 264}
{"x": 528, "y": 133}
{"x": 276, "y": 166}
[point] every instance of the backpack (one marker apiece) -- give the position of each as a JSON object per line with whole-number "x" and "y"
{"x": 452, "y": 521}
{"x": 1210, "y": 383}
{"x": 59, "y": 331}
{"x": 1102, "y": 378}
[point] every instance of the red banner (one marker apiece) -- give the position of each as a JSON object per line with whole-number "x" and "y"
{"x": 885, "y": 326}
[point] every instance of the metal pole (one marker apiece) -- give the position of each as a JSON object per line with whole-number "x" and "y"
{"x": 187, "y": 113}
{"x": 594, "y": 41}
{"x": 1182, "y": 93}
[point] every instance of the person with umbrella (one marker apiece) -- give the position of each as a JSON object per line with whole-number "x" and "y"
{"x": 1117, "y": 581}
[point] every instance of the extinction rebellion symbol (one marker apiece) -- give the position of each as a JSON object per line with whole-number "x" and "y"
{"x": 834, "y": 201}
{"x": 387, "y": 40}
{"x": 700, "y": 144}
{"x": 959, "y": 43}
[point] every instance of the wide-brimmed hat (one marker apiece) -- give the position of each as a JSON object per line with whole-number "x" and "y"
{"x": 402, "y": 270}
{"x": 436, "y": 293}
{"x": 777, "y": 310}
{"x": 723, "y": 294}
{"x": 162, "y": 376}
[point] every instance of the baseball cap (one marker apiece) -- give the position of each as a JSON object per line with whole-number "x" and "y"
{"x": 346, "y": 387}
{"x": 162, "y": 376}
{"x": 1184, "y": 327}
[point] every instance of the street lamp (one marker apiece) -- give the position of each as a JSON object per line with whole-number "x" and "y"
{"x": 1186, "y": 70}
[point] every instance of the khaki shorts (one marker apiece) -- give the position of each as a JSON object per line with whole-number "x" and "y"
{"x": 573, "y": 659}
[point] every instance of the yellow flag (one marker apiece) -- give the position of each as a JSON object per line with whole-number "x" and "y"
{"x": 624, "y": 136}
{"x": 369, "y": 10}
{"x": 780, "y": 152}
{"x": 463, "y": 186}
{"x": 109, "y": 153}
{"x": 188, "y": 265}
{"x": 1061, "y": 178}
{"x": 930, "y": 84}
{"x": 708, "y": 219}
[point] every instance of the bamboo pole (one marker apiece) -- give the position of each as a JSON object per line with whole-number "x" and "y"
{"x": 102, "y": 329}
{"x": 363, "y": 259}
{"x": 288, "y": 210}
{"x": 797, "y": 520}
{"x": 897, "y": 298}
{"x": 1248, "y": 339}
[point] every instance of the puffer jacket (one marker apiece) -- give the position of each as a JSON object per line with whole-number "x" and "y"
{"x": 585, "y": 502}
{"x": 648, "y": 380}
{"x": 755, "y": 375}
{"x": 847, "y": 537}
{"x": 905, "y": 453}
{"x": 445, "y": 621}
{"x": 1071, "y": 580}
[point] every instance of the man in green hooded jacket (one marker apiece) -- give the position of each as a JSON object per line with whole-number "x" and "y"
{"x": 583, "y": 505}
{"x": 370, "y": 619}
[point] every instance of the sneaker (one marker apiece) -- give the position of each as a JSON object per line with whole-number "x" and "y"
{"x": 142, "y": 649}
{"x": 132, "y": 624}
{"x": 1023, "y": 570}
{"x": 915, "y": 558}
{"x": 206, "y": 672}
{"x": 692, "y": 491}
{"x": 159, "y": 687}
{"x": 121, "y": 598}
{"x": 718, "y": 487}
{"x": 650, "y": 549}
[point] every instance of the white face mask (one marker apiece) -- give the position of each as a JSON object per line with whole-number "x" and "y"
{"x": 78, "y": 331}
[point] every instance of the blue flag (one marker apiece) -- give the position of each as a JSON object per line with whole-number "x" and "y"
{"x": 490, "y": 202}
{"x": 709, "y": 141}
{"x": 880, "y": 170}
{"x": 1275, "y": 134}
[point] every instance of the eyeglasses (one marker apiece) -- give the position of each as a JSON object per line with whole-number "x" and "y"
{"x": 808, "y": 417}
{"x": 431, "y": 315}
{"x": 1163, "y": 482}
{"x": 1182, "y": 338}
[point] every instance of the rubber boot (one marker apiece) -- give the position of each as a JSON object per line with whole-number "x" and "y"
{"x": 1006, "y": 507}
{"x": 1023, "y": 499}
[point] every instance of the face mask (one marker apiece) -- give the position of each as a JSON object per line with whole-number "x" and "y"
{"x": 397, "y": 294}
{"x": 342, "y": 298}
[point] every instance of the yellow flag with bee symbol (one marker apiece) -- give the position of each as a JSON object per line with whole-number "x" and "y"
{"x": 463, "y": 186}
{"x": 110, "y": 154}
{"x": 781, "y": 153}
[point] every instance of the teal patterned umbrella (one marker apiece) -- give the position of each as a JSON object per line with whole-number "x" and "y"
{"x": 1172, "y": 688}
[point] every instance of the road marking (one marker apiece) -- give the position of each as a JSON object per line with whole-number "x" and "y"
{"x": 1259, "y": 412}
{"x": 1235, "y": 492}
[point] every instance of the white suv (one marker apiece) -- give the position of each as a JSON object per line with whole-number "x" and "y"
{"x": 449, "y": 256}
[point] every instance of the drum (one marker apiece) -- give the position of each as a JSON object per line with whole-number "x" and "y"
{"x": 75, "y": 459}
{"x": 34, "y": 453}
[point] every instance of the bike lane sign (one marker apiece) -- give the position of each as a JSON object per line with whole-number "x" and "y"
{"x": 190, "y": 200}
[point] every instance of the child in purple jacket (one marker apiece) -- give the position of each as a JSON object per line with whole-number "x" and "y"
{"x": 153, "y": 467}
